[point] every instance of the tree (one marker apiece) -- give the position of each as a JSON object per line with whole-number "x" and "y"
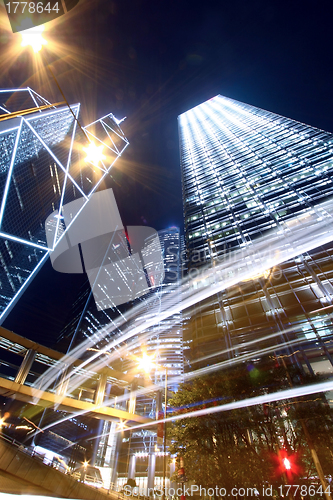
{"x": 239, "y": 447}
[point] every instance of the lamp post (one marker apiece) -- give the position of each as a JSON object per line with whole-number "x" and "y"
{"x": 147, "y": 364}
{"x": 165, "y": 428}
{"x": 34, "y": 39}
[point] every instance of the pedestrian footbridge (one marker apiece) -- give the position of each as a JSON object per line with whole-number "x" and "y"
{"x": 22, "y": 361}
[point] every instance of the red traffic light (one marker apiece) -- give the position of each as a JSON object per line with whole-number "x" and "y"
{"x": 287, "y": 464}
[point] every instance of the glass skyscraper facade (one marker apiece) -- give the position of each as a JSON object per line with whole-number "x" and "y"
{"x": 42, "y": 167}
{"x": 245, "y": 173}
{"x": 85, "y": 320}
{"x": 163, "y": 343}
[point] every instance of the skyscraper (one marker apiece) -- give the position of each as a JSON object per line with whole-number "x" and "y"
{"x": 163, "y": 344}
{"x": 246, "y": 172}
{"x": 42, "y": 167}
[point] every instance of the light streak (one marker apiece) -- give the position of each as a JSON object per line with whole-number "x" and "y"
{"x": 242, "y": 264}
{"x": 187, "y": 376}
{"x": 295, "y": 392}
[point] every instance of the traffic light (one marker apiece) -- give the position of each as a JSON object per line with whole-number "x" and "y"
{"x": 287, "y": 464}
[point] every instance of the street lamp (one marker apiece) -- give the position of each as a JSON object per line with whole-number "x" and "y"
{"x": 33, "y": 38}
{"x": 146, "y": 363}
{"x": 94, "y": 154}
{"x": 165, "y": 428}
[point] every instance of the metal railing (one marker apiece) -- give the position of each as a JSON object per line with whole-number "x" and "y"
{"x": 30, "y": 451}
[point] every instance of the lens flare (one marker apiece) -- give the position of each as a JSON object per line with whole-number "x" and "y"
{"x": 286, "y": 463}
{"x": 33, "y": 38}
{"x": 146, "y": 363}
{"x": 94, "y": 154}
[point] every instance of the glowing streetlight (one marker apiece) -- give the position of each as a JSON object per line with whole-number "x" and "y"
{"x": 146, "y": 363}
{"x": 34, "y": 38}
{"x": 85, "y": 464}
{"x": 94, "y": 154}
{"x": 121, "y": 425}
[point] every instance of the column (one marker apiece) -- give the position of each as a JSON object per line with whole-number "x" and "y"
{"x": 100, "y": 391}
{"x": 172, "y": 484}
{"x": 117, "y": 445}
{"x": 151, "y": 472}
{"x": 132, "y": 399}
{"x": 114, "y": 474}
{"x": 26, "y": 364}
{"x": 131, "y": 467}
{"x": 99, "y": 431}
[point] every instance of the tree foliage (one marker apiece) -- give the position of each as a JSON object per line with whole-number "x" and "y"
{"x": 239, "y": 447}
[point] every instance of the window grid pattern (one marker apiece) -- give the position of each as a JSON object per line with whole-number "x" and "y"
{"x": 244, "y": 172}
{"x": 42, "y": 167}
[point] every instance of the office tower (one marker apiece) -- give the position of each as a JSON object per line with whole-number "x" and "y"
{"x": 163, "y": 343}
{"x": 85, "y": 320}
{"x": 42, "y": 167}
{"x": 246, "y": 172}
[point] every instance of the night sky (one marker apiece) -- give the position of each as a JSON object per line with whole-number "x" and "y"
{"x": 151, "y": 61}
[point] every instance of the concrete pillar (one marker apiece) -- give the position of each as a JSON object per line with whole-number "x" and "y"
{"x": 117, "y": 445}
{"x": 132, "y": 400}
{"x": 158, "y": 402}
{"x": 26, "y": 364}
{"x": 102, "y": 428}
{"x": 173, "y": 484}
{"x": 114, "y": 474}
{"x": 131, "y": 467}
{"x": 99, "y": 431}
{"x": 100, "y": 391}
{"x": 151, "y": 470}
{"x": 107, "y": 392}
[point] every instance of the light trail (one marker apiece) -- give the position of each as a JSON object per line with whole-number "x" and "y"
{"x": 196, "y": 373}
{"x": 298, "y": 235}
{"x": 293, "y": 393}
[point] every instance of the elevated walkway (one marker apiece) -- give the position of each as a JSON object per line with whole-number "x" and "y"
{"x": 90, "y": 397}
{"x": 48, "y": 400}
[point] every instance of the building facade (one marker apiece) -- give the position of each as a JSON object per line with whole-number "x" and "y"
{"x": 247, "y": 172}
{"x": 139, "y": 455}
{"x": 42, "y": 167}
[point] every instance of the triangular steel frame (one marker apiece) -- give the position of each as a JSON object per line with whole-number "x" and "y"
{"x": 28, "y": 121}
